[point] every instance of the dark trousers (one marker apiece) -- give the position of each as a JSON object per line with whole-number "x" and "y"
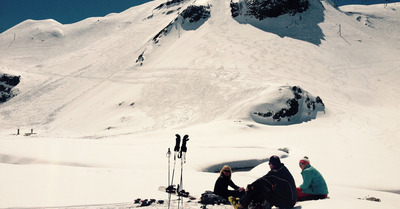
{"x": 257, "y": 193}
{"x": 261, "y": 191}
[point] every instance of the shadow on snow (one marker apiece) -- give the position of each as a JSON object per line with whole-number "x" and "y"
{"x": 302, "y": 26}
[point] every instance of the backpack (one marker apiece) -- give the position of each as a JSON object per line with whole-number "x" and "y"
{"x": 209, "y": 198}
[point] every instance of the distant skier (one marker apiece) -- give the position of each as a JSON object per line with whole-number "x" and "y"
{"x": 314, "y": 185}
{"x": 276, "y": 188}
{"x": 224, "y": 180}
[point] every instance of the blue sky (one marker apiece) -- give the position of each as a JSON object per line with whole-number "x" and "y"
{"x": 13, "y": 12}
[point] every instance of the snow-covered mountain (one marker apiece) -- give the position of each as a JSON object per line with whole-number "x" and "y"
{"x": 158, "y": 36}
{"x": 13, "y": 12}
{"x": 105, "y": 96}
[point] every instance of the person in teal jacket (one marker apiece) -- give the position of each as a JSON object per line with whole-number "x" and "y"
{"x": 314, "y": 185}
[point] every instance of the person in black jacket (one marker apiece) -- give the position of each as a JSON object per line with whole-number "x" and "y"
{"x": 277, "y": 187}
{"x": 224, "y": 180}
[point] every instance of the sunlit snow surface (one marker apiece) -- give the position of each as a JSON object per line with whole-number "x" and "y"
{"x": 102, "y": 123}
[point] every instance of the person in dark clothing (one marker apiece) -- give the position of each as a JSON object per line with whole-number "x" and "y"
{"x": 277, "y": 187}
{"x": 224, "y": 180}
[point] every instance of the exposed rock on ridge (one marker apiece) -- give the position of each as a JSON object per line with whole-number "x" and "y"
{"x": 7, "y": 83}
{"x": 261, "y": 9}
{"x": 189, "y": 19}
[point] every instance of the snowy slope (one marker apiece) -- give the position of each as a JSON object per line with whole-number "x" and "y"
{"x": 103, "y": 122}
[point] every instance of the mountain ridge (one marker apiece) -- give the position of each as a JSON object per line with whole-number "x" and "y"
{"x": 101, "y": 53}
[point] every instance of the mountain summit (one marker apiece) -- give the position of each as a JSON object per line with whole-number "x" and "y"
{"x": 183, "y": 62}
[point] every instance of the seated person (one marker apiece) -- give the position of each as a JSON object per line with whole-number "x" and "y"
{"x": 314, "y": 186}
{"x": 276, "y": 188}
{"x": 224, "y": 180}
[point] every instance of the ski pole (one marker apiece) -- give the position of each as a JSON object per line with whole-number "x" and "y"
{"x": 169, "y": 165}
{"x": 183, "y": 158}
{"x": 176, "y": 150}
{"x": 182, "y": 155}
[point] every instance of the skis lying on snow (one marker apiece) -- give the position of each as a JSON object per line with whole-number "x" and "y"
{"x": 147, "y": 202}
{"x": 179, "y": 152}
{"x": 173, "y": 191}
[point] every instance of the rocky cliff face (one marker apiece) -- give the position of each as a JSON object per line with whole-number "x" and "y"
{"x": 7, "y": 83}
{"x": 261, "y": 9}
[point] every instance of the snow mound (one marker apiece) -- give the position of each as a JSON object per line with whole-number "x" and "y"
{"x": 291, "y": 105}
{"x": 39, "y": 30}
{"x": 240, "y": 165}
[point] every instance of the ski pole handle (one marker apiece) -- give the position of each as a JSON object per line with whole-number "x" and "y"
{"x": 178, "y": 141}
{"x": 185, "y": 139}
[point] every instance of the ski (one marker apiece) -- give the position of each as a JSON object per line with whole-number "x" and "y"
{"x": 174, "y": 191}
{"x": 147, "y": 202}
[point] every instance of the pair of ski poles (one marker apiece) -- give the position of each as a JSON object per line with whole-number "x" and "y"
{"x": 180, "y": 152}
